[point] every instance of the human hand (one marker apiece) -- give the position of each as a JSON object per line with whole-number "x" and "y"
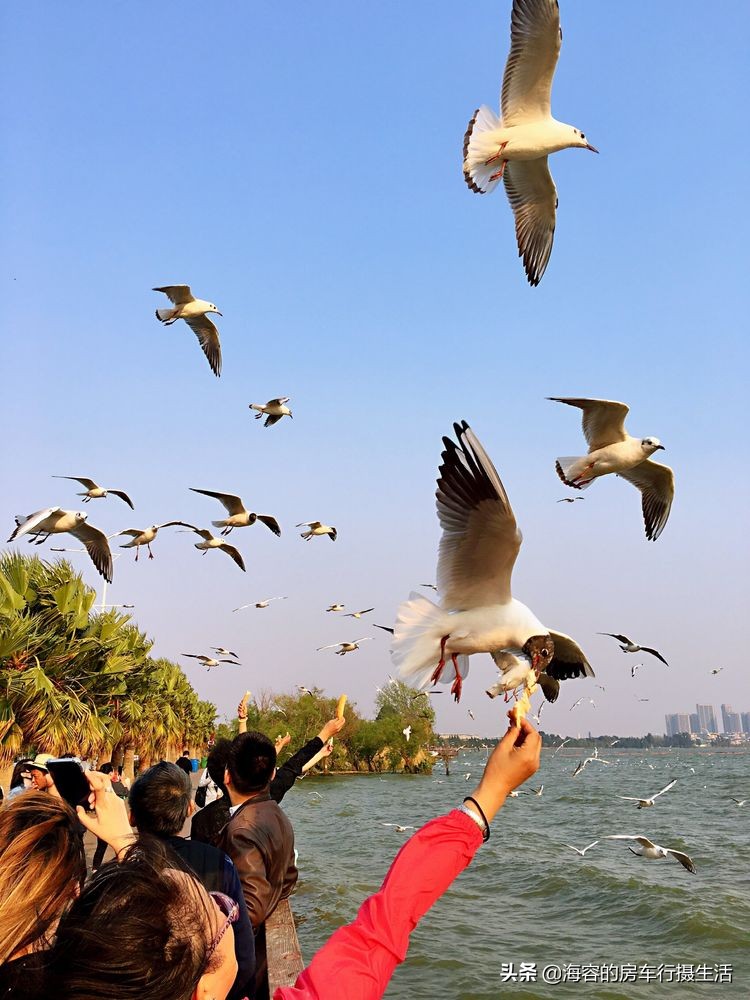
{"x": 514, "y": 759}
{"x": 282, "y": 741}
{"x": 109, "y": 821}
{"x": 330, "y": 729}
{"x": 242, "y": 707}
{"x": 327, "y": 749}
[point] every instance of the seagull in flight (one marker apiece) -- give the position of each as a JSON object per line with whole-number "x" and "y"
{"x": 613, "y": 450}
{"x": 596, "y": 759}
{"x": 429, "y": 586}
{"x": 209, "y": 661}
{"x": 478, "y": 614}
{"x": 628, "y": 646}
{"x": 398, "y": 828}
{"x": 538, "y": 791}
{"x": 644, "y": 803}
{"x": 740, "y": 802}
{"x": 576, "y": 703}
{"x": 220, "y": 651}
{"x": 144, "y": 536}
{"x": 94, "y": 492}
{"x": 238, "y": 516}
{"x": 582, "y": 852}
{"x": 40, "y": 525}
{"x": 212, "y": 542}
{"x": 274, "y": 410}
{"x": 344, "y": 647}
{"x": 515, "y": 147}
{"x": 316, "y": 528}
{"x": 358, "y": 614}
{"x": 471, "y": 715}
{"x": 336, "y": 607}
{"x": 259, "y": 604}
{"x": 653, "y": 852}
{"x": 558, "y": 748}
{"x": 193, "y": 311}
{"x": 717, "y": 670}
{"x": 634, "y": 668}
{"x": 407, "y": 733}
{"x": 573, "y": 500}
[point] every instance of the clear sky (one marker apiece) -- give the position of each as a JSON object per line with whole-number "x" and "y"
{"x": 300, "y": 165}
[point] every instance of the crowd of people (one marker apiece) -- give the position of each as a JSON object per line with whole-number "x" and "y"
{"x": 192, "y": 909}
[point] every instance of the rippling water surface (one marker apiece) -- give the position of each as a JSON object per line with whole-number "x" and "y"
{"x": 526, "y": 897}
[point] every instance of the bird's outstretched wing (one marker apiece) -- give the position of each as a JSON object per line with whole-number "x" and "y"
{"x": 333, "y": 645}
{"x": 480, "y": 538}
{"x": 203, "y": 532}
{"x": 684, "y": 860}
{"x": 178, "y": 295}
{"x": 279, "y": 401}
{"x": 630, "y": 798}
{"x": 308, "y": 524}
{"x": 83, "y": 480}
{"x": 603, "y": 420}
{"x": 620, "y": 638}
{"x": 569, "y": 659}
{"x": 272, "y": 418}
{"x": 356, "y": 614}
{"x": 133, "y": 532}
{"x": 656, "y": 483}
{"x": 665, "y": 789}
{"x": 535, "y": 40}
{"x": 233, "y": 553}
{"x": 271, "y": 523}
{"x": 23, "y": 527}
{"x": 97, "y": 546}
{"x": 643, "y": 841}
{"x": 208, "y": 338}
{"x": 533, "y": 197}
{"x": 232, "y": 504}
{"x": 123, "y": 496}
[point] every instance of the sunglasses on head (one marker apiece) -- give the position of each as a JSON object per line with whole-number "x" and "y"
{"x": 231, "y": 911}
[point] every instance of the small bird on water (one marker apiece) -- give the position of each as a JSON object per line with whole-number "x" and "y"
{"x": 515, "y": 148}
{"x": 613, "y": 450}
{"x": 193, "y": 311}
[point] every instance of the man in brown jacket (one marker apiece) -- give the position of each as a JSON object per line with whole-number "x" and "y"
{"x": 258, "y": 837}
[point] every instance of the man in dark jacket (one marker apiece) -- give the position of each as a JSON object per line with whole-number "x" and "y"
{"x": 208, "y": 823}
{"x": 160, "y": 802}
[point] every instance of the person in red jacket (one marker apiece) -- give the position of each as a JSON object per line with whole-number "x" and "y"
{"x": 358, "y": 960}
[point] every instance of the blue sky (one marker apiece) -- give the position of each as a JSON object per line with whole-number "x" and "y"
{"x": 300, "y": 165}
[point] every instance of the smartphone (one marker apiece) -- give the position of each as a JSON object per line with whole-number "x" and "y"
{"x": 70, "y": 780}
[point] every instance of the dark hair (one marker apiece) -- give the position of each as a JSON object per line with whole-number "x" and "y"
{"x": 108, "y": 767}
{"x": 41, "y": 860}
{"x": 16, "y": 780}
{"x": 159, "y": 800}
{"x": 217, "y": 762}
{"x": 252, "y": 758}
{"x": 155, "y": 913}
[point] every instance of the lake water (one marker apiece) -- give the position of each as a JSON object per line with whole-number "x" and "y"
{"x": 526, "y": 897}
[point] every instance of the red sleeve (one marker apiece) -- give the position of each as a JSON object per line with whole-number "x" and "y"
{"x": 358, "y": 960}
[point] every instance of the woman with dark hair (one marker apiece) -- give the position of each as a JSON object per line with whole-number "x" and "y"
{"x": 20, "y": 780}
{"x": 42, "y": 867}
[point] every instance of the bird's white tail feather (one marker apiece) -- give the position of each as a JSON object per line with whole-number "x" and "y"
{"x": 165, "y": 314}
{"x": 420, "y": 625}
{"x": 570, "y": 468}
{"x": 480, "y": 147}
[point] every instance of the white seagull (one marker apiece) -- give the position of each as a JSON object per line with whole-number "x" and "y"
{"x": 335, "y": 607}
{"x": 478, "y": 614}
{"x": 516, "y": 146}
{"x": 407, "y": 733}
{"x": 238, "y": 516}
{"x": 357, "y": 614}
{"x": 717, "y": 670}
{"x": 144, "y": 536}
{"x": 212, "y": 542}
{"x": 398, "y": 828}
{"x": 582, "y": 852}
{"x": 193, "y": 311}
{"x": 634, "y": 668}
{"x": 95, "y": 492}
{"x": 654, "y": 852}
{"x": 209, "y": 661}
{"x": 344, "y": 647}
{"x": 613, "y": 450}
{"x": 628, "y": 646}
{"x": 740, "y": 802}
{"x": 55, "y": 521}
{"x": 576, "y": 703}
{"x": 221, "y": 651}
{"x": 274, "y": 410}
{"x": 596, "y": 759}
{"x": 558, "y": 748}
{"x": 644, "y": 803}
{"x": 259, "y": 604}
{"x": 316, "y": 528}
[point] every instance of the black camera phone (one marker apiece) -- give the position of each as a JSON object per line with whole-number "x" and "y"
{"x": 70, "y": 780}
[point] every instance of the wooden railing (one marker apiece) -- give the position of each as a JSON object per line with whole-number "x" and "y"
{"x": 282, "y": 948}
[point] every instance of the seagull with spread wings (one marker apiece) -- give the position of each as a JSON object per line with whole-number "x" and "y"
{"x": 193, "y": 311}
{"x": 653, "y": 852}
{"x": 478, "y": 614}
{"x": 212, "y": 542}
{"x": 613, "y": 450}
{"x": 259, "y": 604}
{"x": 144, "y": 536}
{"x": 95, "y": 492}
{"x": 209, "y": 661}
{"x": 56, "y": 521}
{"x": 515, "y": 147}
{"x": 274, "y": 410}
{"x": 628, "y": 646}
{"x": 221, "y": 651}
{"x": 342, "y": 648}
{"x": 645, "y": 803}
{"x": 238, "y": 516}
{"x": 316, "y": 528}
{"x": 357, "y": 614}
{"x": 582, "y": 851}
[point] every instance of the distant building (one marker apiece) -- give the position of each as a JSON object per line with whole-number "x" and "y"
{"x": 671, "y": 725}
{"x": 695, "y": 726}
{"x": 745, "y": 719}
{"x": 683, "y": 723}
{"x": 707, "y": 718}
{"x": 731, "y": 720}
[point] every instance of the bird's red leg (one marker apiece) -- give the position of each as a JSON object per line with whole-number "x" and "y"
{"x": 439, "y": 669}
{"x": 497, "y": 155}
{"x": 498, "y": 173}
{"x": 456, "y": 685}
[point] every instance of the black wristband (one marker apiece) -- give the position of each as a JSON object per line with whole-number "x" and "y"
{"x": 486, "y": 834}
